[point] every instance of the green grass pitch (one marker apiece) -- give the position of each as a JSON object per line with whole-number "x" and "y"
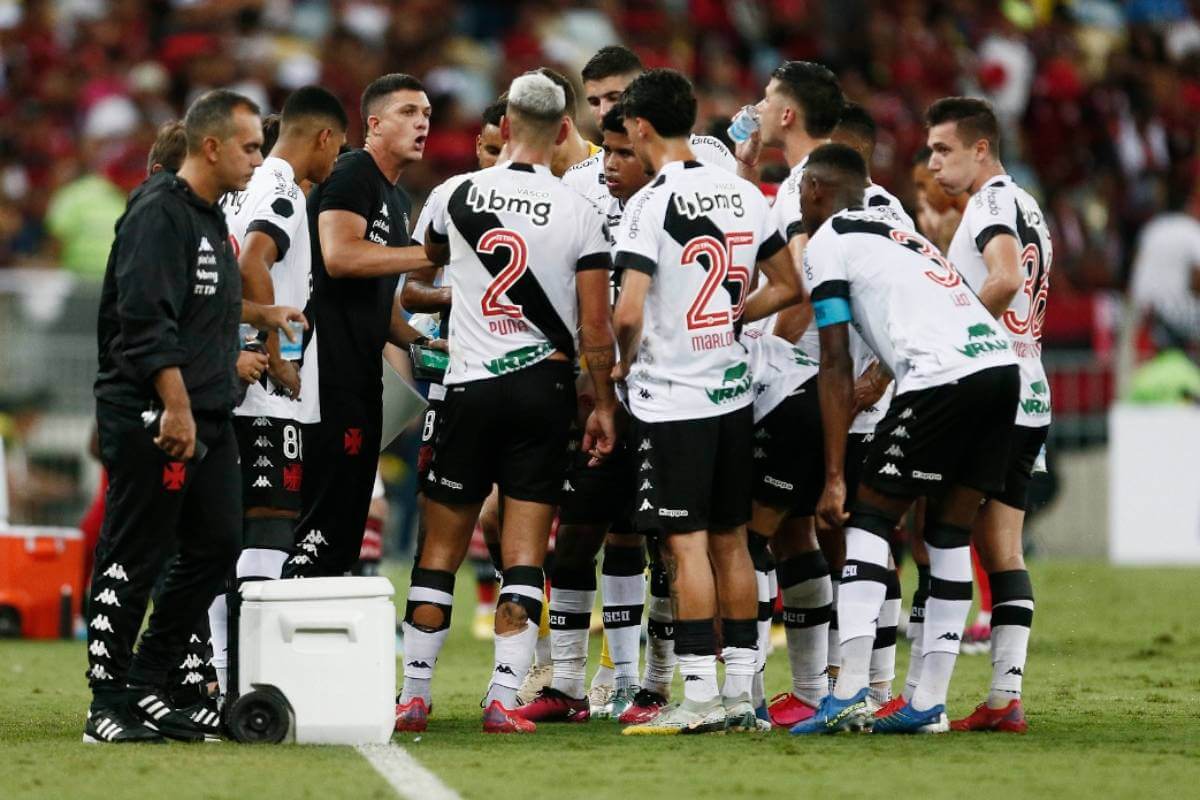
{"x": 1112, "y": 697}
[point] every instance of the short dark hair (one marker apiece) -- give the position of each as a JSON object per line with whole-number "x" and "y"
{"x": 921, "y": 157}
{"x": 859, "y": 122}
{"x": 271, "y": 123}
{"x": 815, "y": 89}
{"x": 568, "y": 90}
{"x": 974, "y": 118}
{"x": 843, "y": 160}
{"x": 315, "y": 102}
{"x": 665, "y": 99}
{"x": 382, "y": 87}
{"x": 614, "y": 119}
{"x": 211, "y": 114}
{"x": 170, "y": 147}
{"x": 493, "y": 113}
{"x": 611, "y": 60}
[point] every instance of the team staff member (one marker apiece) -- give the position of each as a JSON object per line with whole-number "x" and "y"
{"x": 168, "y": 343}
{"x": 360, "y": 218}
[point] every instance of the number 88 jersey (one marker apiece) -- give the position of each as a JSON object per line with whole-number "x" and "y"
{"x": 1003, "y": 208}
{"x": 517, "y": 237}
{"x": 698, "y": 231}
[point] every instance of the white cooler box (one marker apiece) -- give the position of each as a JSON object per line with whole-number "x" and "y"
{"x": 327, "y": 645}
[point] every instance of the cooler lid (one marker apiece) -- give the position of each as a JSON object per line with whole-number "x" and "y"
{"x": 39, "y": 532}
{"x": 317, "y": 589}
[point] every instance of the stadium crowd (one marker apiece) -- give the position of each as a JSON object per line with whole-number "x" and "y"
{"x": 1114, "y": 86}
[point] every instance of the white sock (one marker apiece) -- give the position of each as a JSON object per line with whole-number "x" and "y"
{"x": 218, "y": 624}
{"x": 834, "y": 638}
{"x": 624, "y": 599}
{"x": 514, "y": 657}
{"x": 1012, "y": 615}
{"x": 421, "y": 649}
{"x": 699, "y": 677}
{"x": 807, "y": 605}
{"x": 883, "y": 651}
{"x": 856, "y": 657}
{"x": 570, "y": 616}
{"x": 762, "y": 585}
{"x": 660, "y": 647}
{"x": 741, "y": 665}
{"x": 945, "y": 618}
{"x": 916, "y": 632}
{"x": 860, "y": 599}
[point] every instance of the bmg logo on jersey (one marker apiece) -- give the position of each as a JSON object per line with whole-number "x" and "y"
{"x": 524, "y": 202}
{"x": 699, "y": 205}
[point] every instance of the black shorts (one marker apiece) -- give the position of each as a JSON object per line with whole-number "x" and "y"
{"x": 857, "y": 445}
{"x": 1022, "y": 453}
{"x": 272, "y": 456}
{"x": 789, "y": 453}
{"x": 599, "y": 495}
{"x": 694, "y": 474}
{"x": 955, "y": 434}
{"x": 512, "y": 430}
{"x": 428, "y": 434}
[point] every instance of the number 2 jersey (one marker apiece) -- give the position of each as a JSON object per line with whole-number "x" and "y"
{"x": 517, "y": 237}
{"x": 902, "y": 296}
{"x": 698, "y": 231}
{"x": 273, "y": 204}
{"x": 1003, "y": 208}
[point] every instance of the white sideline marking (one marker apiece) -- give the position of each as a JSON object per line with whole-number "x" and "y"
{"x": 404, "y": 774}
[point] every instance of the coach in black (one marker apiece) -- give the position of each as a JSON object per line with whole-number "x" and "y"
{"x": 359, "y": 219}
{"x": 168, "y": 342}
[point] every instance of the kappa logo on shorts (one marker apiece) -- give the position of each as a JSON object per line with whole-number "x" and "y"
{"x": 906, "y": 413}
{"x": 316, "y": 537}
{"x": 567, "y": 487}
{"x": 926, "y": 476}
{"x": 646, "y": 484}
{"x": 352, "y": 441}
{"x": 263, "y": 441}
{"x": 174, "y": 476}
{"x": 644, "y": 446}
{"x": 889, "y": 469}
{"x": 292, "y": 476}
{"x": 308, "y": 548}
{"x": 117, "y": 573}
{"x": 449, "y": 484}
{"x": 900, "y": 432}
{"x": 762, "y": 433}
{"x": 261, "y": 422}
{"x": 431, "y": 477}
{"x": 645, "y": 506}
{"x": 192, "y": 661}
{"x": 301, "y": 559}
{"x": 894, "y": 451}
{"x": 99, "y": 673}
{"x": 675, "y": 513}
{"x": 99, "y": 649}
{"x": 261, "y": 483}
{"x": 759, "y": 453}
{"x": 778, "y": 484}
{"x": 100, "y": 623}
{"x": 109, "y": 598}
{"x": 263, "y": 463}
{"x": 645, "y": 467}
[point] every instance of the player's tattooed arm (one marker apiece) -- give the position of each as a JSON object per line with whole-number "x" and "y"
{"x": 420, "y": 292}
{"x": 597, "y": 348}
{"x": 782, "y": 289}
{"x": 835, "y": 387}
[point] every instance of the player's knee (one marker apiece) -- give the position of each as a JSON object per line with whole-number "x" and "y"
{"x": 872, "y": 519}
{"x": 430, "y": 600}
{"x": 944, "y": 535}
{"x": 623, "y": 560}
{"x": 521, "y": 595}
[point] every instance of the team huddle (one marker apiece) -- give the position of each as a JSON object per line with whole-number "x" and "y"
{"x": 649, "y": 355}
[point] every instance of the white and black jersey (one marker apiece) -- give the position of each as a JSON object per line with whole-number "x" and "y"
{"x": 1001, "y": 208}
{"x": 273, "y": 204}
{"x": 587, "y": 177}
{"x": 517, "y": 236}
{"x": 698, "y": 231}
{"x": 779, "y": 368}
{"x": 877, "y": 196}
{"x": 903, "y": 297}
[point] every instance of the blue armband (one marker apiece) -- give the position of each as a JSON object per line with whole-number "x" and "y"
{"x": 831, "y": 311}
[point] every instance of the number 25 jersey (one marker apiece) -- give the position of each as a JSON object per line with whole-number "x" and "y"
{"x": 698, "y": 231}
{"x": 1003, "y": 208}
{"x": 517, "y": 237}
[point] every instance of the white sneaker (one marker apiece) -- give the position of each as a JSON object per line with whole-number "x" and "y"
{"x": 600, "y": 699}
{"x": 536, "y": 679}
{"x": 740, "y": 716}
{"x": 685, "y": 718}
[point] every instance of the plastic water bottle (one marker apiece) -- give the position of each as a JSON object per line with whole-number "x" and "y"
{"x": 289, "y": 350}
{"x": 744, "y": 124}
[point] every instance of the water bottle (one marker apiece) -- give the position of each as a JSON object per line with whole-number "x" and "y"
{"x": 289, "y": 350}
{"x": 744, "y": 124}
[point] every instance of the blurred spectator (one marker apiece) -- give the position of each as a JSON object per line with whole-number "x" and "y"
{"x": 1166, "y": 276}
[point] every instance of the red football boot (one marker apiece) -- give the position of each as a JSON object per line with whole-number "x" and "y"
{"x": 787, "y": 710}
{"x": 551, "y": 705}
{"x": 498, "y": 719}
{"x": 890, "y": 706}
{"x": 411, "y": 717}
{"x": 1010, "y": 719}
{"x": 646, "y": 705}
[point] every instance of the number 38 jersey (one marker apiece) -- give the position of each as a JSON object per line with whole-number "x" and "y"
{"x": 517, "y": 237}
{"x": 1003, "y": 208}
{"x": 905, "y": 300}
{"x": 698, "y": 231}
